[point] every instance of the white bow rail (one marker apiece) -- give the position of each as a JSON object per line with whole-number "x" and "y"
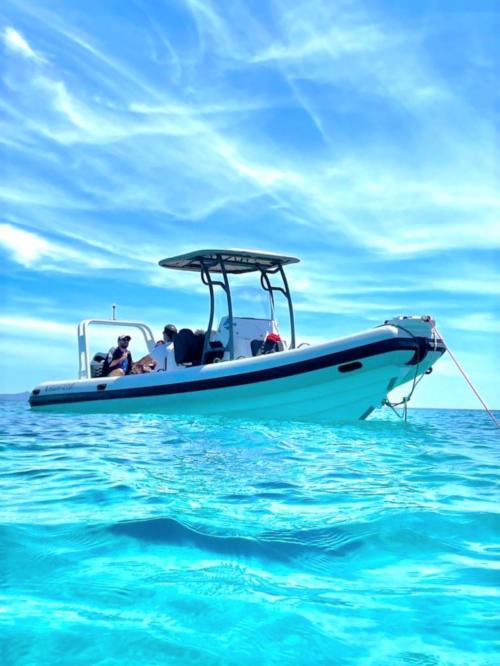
{"x": 83, "y": 343}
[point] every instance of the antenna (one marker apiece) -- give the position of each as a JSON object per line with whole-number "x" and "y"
{"x": 113, "y": 307}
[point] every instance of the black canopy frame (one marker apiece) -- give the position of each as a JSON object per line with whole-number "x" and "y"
{"x": 223, "y": 262}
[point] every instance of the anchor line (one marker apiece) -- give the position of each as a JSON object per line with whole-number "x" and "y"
{"x": 469, "y": 382}
{"x": 415, "y": 383}
{"x": 406, "y": 399}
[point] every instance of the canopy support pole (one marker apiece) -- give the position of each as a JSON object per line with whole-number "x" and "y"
{"x": 229, "y": 308}
{"x": 206, "y": 278}
{"x": 285, "y": 290}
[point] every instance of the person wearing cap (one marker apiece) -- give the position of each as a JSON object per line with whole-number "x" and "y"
{"x": 162, "y": 356}
{"x": 119, "y": 360}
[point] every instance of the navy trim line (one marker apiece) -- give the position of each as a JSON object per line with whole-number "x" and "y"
{"x": 288, "y": 370}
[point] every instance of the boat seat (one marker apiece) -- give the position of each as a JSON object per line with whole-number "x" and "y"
{"x": 215, "y": 353}
{"x": 267, "y": 346}
{"x": 188, "y": 347}
{"x": 256, "y": 347}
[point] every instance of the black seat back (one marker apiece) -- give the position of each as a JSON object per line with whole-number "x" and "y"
{"x": 188, "y": 347}
{"x": 215, "y": 352}
{"x": 257, "y": 347}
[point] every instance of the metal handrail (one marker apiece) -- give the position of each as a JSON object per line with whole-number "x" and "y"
{"x": 83, "y": 343}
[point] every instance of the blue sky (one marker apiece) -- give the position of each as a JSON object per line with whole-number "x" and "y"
{"x": 361, "y": 136}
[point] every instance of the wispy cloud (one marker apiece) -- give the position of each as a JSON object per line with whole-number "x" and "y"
{"x": 34, "y": 251}
{"x": 484, "y": 322}
{"x": 38, "y": 327}
{"x": 26, "y": 248}
{"x": 14, "y": 41}
{"x": 367, "y": 197}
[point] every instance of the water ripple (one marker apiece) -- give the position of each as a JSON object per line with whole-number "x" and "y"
{"x": 128, "y": 539}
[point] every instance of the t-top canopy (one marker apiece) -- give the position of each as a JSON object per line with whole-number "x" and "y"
{"x": 235, "y": 261}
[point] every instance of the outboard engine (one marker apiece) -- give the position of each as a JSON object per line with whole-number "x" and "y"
{"x": 97, "y": 363}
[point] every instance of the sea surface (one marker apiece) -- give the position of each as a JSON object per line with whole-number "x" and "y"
{"x": 145, "y": 540}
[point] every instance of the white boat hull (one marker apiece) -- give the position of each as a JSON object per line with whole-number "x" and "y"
{"x": 341, "y": 380}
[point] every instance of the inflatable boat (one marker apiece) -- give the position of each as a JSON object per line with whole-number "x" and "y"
{"x": 243, "y": 368}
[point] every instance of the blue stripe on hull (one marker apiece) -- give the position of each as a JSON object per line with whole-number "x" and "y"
{"x": 288, "y": 370}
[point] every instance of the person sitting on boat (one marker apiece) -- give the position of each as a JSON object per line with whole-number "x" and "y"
{"x": 119, "y": 360}
{"x": 162, "y": 356}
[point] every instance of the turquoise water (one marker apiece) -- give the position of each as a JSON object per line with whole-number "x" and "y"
{"x": 152, "y": 540}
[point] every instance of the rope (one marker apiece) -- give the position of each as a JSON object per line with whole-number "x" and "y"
{"x": 407, "y": 398}
{"x": 490, "y": 413}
